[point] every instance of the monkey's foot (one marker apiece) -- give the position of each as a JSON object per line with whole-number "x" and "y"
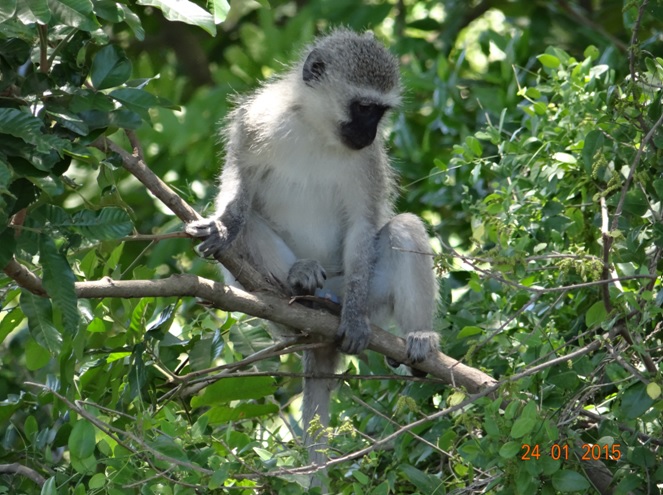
{"x": 305, "y": 276}
{"x": 419, "y": 345}
{"x": 353, "y": 334}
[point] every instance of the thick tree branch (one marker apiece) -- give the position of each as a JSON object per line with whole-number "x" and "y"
{"x": 22, "y": 470}
{"x": 242, "y": 271}
{"x": 271, "y": 307}
{"x": 24, "y": 278}
{"x": 277, "y": 309}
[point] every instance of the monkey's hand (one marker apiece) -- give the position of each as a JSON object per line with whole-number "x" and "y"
{"x": 214, "y": 234}
{"x": 305, "y": 276}
{"x": 419, "y": 345}
{"x": 354, "y": 332}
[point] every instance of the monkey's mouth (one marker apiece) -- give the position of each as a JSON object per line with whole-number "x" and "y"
{"x": 357, "y": 137}
{"x": 361, "y": 129}
{"x": 356, "y": 143}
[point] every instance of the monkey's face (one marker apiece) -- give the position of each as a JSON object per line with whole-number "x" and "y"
{"x": 361, "y": 129}
{"x": 350, "y": 82}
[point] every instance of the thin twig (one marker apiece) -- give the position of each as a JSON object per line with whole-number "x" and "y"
{"x": 117, "y": 433}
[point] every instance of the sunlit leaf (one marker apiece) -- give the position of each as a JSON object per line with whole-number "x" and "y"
{"x": 31, "y": 11}
{"x": 75, "y": 13}
{"x": 548, "y": 61}
{"x": 184, "y": 11}
{"x": 7, "y": 9}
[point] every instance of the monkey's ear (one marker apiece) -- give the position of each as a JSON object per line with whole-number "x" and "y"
{"x": 314, "y": 67}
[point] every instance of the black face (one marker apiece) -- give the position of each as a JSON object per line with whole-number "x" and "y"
{"x": 360, "y": 131}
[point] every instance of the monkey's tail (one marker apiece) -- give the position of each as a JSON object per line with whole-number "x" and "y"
{"x": 317, "y": 393}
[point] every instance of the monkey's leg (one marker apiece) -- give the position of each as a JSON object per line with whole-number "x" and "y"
{"x": 317, "y": 392}
{"x": 265, "y": 250}
{"x": 403, "y": 284}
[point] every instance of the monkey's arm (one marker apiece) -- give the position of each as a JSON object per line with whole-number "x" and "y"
{"x": 359, "y": 257}
{"x": 232, "y": 204}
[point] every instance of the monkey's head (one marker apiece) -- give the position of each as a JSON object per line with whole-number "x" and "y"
{"x": 356, "y": 77}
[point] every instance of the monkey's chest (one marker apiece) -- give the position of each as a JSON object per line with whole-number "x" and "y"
{"x": 308, "y": 216}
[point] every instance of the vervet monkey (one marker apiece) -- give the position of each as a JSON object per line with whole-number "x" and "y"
{"x": 306, "y": 197}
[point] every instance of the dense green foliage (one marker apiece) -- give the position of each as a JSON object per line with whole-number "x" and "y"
{"x": 530, "y": 139}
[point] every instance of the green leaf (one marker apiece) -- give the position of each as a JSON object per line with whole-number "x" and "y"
{"x": 593, "y": 143}
{"x": 137, "y": 100}
{"x": 8, "y": 407}
{"x": 564, "y": 158}
{"x": 522, "y": 426}
{"x": 636, "y": 202}
{"x": 219, "y": 415}
{"x": 219, "y": 477}
{"x": 29, "y": 128}
{"x": 86, "y": 466}
{"x": 106, "y": 224}
{"x": 548, "y": 61}
{"x": 569, "y": 481}
{"x": 133, "y": 22}
{"x": 7, "y": 246}
{"x": 109, "y": 11}
{"x": 204, "y": 351}
{"x": 526, "y": 422}
{"x": 184, "y": 11}
{"x": 230, "y": 389}
{"x": 591, "y": 52}
{"x": 36, "y": 357}
{"x": 82, "y": 439}
{"x": 636, "y": 401}
{"x": 49, "y": 487}
{"x": 69, "y": 120}
{"x": 97, "y": 481}
{"x": 469, "y": 331}
{"x": 110, "y": 68}
{"x": 9, "y": 322}
{"x": 169, "y": 447}
{"x": 30, "y": 427}
{"x": 358, "y": 475}
{"x": 220, "y": 8}
{"x": 7, "y": 9}
{"x": 658, "y": 187}
{"x": 595, "y": 314}
{"x": 474, "y": 145}
{"x": 124, "y": 118}
{"x": 653, "y": 390}
{"x": 20, "y": 124}
{"x": 510, "y": 449}
{"x": 75, "y": 13}
{"x": 533, "y": 93}
{"x": 59, "y": 283}
{"x": 39, "y": 312}
{"x": 423, "y": 481}
{"x": 32, "y": 11}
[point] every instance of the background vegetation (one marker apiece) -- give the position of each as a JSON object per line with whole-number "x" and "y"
{"x": 530, "y": 140}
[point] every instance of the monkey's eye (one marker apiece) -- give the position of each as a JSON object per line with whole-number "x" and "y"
{"x": 364, "y": 108}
